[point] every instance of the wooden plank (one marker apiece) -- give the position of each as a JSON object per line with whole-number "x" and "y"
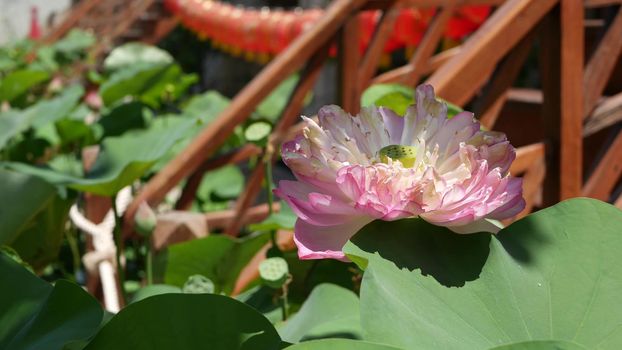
{"x": 571, "y": 147}
{"x": 601, "y": 65}
{"x": 601, "y": 3}
{"x": 551, "y": 107}
{"x": 532, "y": 186}
{"x": 459, "y": 79}
{"x": 194, "y": 181}
{"x": 288, "y": 118}
{"x": 493, "y": 95}
{"x": 526, "y": 156}
{"x": 219, "y": 220}
{"x": 607, "y": 173}
{"x": 607, "y": 113}
{"x": 489, "y": 117}
{"x": 212, "y": 137}
{"x": 383, "y": 31}
{"x": 349, "y": 59}
{"x": 398, "y": 74}
{"x": 76, "y": 13}
{"x": 428, "y": 45}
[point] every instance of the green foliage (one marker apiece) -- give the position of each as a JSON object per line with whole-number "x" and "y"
{"x": 272, "y": 106}
{"x": 35, "y": 315}
{"x": 206, "y": 106}
{"x": 129, "y": 54}
{"x": 553, "y": 275}
{"x": 115, "y": 167}
{"x": 17, "y": 83}
{"x": 74, "y": 44}
{"x": 339, "y": 344}
{"x": 284, "y": 219}
{"x": 123, "y": 117}
{"x": 147, "y": 82}
{"x": 154, "y": 289}
{"x": 187, "y": 321}
{"x": 396, "y": 97}
{"x": 217, "y": 257}
{"x": 223, "y": 183}
{"x": 330, "y": 311}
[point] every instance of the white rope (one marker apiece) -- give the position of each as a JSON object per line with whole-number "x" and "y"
{"x": 102, "y": 258}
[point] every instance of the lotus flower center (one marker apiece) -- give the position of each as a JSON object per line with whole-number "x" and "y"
{"x": 405, "y": 154}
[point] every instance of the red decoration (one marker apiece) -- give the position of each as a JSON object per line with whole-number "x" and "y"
{"x": 35, "y": 28}
{"x": 260, "y": 33}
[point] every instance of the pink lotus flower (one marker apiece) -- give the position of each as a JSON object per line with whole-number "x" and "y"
{"x": 381, "y": 166}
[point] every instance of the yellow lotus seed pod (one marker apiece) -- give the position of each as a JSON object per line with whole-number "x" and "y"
{"x": 405, "y": 154}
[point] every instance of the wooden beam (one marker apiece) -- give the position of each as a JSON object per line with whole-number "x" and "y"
{"x": 551, "y": 106}
{"x": 383, "y": 31}
{"x": 601, "y": 65}
{"x": 494, "y": 94}
{"x": 526, "y": 156}
{"x": 214, "y": 135}
{"x": 349, "y": 59}
{"x": 459, "y": 79}
{"x": 288, "y": 118}
{"x": 219, "y": 220}
{"x": 607, "y": 113}
{"x": 398, "y": 74}
{"x": 607, "y": 173}
{"x": 601, "y": 3}
{"x": 428, "y": 45}
{"x": 194, "y": 181}
{"x": 571, "y": 148}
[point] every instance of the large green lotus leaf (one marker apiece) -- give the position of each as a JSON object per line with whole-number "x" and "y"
{"x": 147, "y": 82}
{"x": 39, "y": 116}
{"x": 18, "y": 82}
{"x": 41, "y": 239}
{"x": 397, "y": 97}
{"x": 75, "y": 43}
{"x": 217, "y": 257}
{"x": 123, "y": 117}
{"x": 207, "y": 106}
{"x": 285, "y": 219}
{"x": 330, "y": 311}
{"x": 225, "y": 182}
{"x": 541, "y": 345}
{"x": 554, "y": 275}
{"x": 187, "y": 321}
{"x": 272, "y": 106}
{"x": 122, "y": 160}
{"x": 131, "y": 53}
{"x": 31, "y": 193}
{"x": 35, "y": 315}
{"x": 12, "y": 123}
{"x": 340, "y": 344}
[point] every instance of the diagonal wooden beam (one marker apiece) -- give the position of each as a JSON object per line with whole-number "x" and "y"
{"x": 375, "y": 49}
{"x": 214, "y": 135}
{"x": 459, "y": 79}
{"x": 607, "y": 113}
{"x": 601, "y": 65}
{"x": 607, "y": 173}
{"x": 494, "y": 94}
{"x": 428, "y": 45}
{"x": 288, "y": 118}
{"x": 349, "y": 58}
{"x": 194, "y": 181}
{"x": 398, "y": 74}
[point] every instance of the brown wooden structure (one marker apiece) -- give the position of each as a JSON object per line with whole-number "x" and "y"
{"x": 114, "y": 22}
{"x": 481, "y": 70}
